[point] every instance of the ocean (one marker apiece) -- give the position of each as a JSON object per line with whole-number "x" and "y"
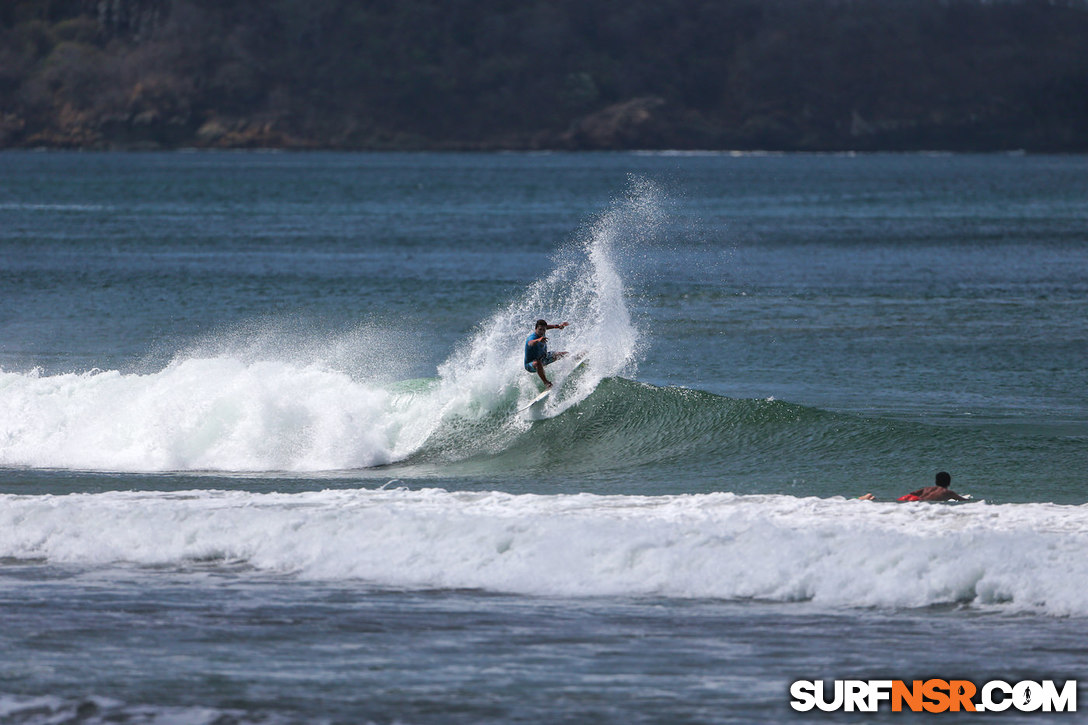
{"x": 262, "y": 458}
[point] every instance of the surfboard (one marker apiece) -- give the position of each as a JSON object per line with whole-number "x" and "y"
{"x": 580, "y": 359}
{"x": 535, "y": 400}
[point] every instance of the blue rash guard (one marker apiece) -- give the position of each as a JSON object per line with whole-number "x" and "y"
{"x": 536, "y": 352}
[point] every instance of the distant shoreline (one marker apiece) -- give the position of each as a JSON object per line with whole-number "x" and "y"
{"x": 734, "y": 153}
{"x": 546, "y": 75}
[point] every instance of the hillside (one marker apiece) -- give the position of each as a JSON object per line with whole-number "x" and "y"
{"x": 545, "y": 74}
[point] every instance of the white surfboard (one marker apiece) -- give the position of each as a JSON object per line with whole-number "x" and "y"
{"x": 580, "y": 360}
{"x": 535, "y": 400}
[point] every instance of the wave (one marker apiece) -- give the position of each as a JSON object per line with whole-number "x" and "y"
{"x": 200, "y": 414}
{"x": 27, "y": 709}
{"x": 627, "y": 424}
{"x": 267, "y": 402}
{"x": 225, "y": 414}
{"x": 266, "y": 397}
{"x": 830, "y": 552}
{"x": 38, "y": 206}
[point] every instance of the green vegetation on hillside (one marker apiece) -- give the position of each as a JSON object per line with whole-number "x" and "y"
{"x": 773, "y": 74}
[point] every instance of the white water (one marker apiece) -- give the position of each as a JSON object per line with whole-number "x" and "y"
{"x": 264, "y": 401}
{"x": 831, "y": 552}
{"x": 586, "y": 289}
{"x": 202, "y": 414}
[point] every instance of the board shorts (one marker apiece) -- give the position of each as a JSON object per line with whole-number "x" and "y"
{"x": 548, "y": 359}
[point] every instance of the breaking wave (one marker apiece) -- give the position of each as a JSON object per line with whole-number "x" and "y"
{"x": 830, "y": 552}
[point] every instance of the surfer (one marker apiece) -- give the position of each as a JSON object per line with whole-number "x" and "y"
{"x": 939, "y": 491}
{"x": 536, "y": 349}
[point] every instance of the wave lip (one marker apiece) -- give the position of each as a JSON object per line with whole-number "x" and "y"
{"x": 830, "y": 552}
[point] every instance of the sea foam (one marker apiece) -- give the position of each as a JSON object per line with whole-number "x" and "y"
{"x": 830, "y": 552}
{"x": 217, "y": 413}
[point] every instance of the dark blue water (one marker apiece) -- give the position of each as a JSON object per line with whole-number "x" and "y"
{"x": 261, "y": 457}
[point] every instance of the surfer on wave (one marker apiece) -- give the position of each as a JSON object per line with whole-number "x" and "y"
{"x": 939, "y": 491}
{"x": 536, "y": 349}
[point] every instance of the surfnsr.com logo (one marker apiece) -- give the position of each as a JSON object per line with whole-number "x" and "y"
{"x": 934, "y": 696}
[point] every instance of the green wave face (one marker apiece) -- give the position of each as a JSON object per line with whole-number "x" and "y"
{"x": 637, "y": 438}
